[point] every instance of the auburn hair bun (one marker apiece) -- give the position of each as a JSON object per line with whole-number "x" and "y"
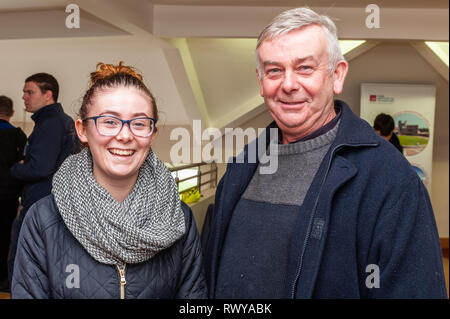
{"x": 109, "y": 76}
{"x": 106, "y": 70}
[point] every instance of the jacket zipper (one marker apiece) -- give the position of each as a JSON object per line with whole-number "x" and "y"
{"x": 314, "y": 210}
{"x": 123, "y": 282}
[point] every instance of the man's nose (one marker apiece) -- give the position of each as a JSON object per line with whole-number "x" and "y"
{"x": 290, "y": 82}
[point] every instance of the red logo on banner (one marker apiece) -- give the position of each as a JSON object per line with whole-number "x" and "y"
{"x": 373, "y": 98}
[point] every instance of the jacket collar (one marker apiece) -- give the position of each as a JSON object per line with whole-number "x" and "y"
{"x": 350, "y": 123}
{"x": 48, "y": 108}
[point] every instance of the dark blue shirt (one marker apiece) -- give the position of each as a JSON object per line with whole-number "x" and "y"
{"x": 5, "y": 124}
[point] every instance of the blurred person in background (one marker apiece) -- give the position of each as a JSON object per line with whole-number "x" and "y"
{"x": 53, "y": 139}
{"x": 12, "y": 144}
{"x": 384, "y": 126}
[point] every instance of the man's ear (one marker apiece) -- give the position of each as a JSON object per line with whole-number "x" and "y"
{"x": 81, "y": 131}
{"x": 49, "y": 96}
{"x": 339, "y": 76}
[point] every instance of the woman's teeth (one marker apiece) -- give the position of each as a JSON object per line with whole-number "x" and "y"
{"x": 121, "y": 152}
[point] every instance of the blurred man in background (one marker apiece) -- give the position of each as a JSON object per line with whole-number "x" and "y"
{"x": 52, "y": 140}
{"x": 12, "y": 144}
{"x": 384, "y": 126}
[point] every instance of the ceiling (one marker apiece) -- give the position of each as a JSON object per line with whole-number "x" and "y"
{"x": 20, "y": 5}
{"x": 315, "y": 3}
{"x": 14, "y": 5}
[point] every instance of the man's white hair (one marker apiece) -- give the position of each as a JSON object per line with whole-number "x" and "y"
{"x": 297, "y": 18}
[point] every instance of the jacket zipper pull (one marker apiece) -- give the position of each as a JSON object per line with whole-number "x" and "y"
{"x": 123, "y": 282}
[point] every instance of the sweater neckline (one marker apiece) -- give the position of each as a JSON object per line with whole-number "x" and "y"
{"x": 308, "y": 145}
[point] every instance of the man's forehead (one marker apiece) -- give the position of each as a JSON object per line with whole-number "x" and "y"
{"x": 307, "y": 43}
{"x": 30, "y": 85}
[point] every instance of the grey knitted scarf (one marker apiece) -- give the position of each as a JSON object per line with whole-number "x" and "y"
{"x": 149, "y": 220}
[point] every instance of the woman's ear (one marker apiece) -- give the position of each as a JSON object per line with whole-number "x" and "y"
{"x": 81, "y": 131}
{"x": 153, "y": 136}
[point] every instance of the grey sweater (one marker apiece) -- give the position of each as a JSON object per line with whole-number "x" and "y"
{"x": 297, "y": 165}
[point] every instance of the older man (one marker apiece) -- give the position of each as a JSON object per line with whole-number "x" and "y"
{"x": 344, "y": 215}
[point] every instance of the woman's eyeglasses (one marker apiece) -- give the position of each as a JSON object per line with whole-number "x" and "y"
{"x": 108, "y": 125}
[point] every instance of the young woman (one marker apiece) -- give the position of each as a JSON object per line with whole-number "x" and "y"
{"x": 114, "y": 226}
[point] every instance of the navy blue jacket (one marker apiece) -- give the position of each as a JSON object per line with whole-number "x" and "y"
{"x": 12, "y": 144}
{"x": 48, "y": 257}
{"x": 366, "y": 213}
{"x": 52, "y": 140}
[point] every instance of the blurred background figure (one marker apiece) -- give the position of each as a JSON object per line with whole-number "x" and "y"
{"x": 12, "y": 144}
{"x": 53, "y": 139}
{"x": 384, "y": 126}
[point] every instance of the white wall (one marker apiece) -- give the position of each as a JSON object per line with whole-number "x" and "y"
{"x": 71, "y": 60}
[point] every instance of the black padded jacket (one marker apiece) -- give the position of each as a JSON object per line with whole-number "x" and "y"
{"x": 51, "y": 263}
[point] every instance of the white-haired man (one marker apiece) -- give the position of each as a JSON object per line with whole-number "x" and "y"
{"x": 344, "y": 215}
